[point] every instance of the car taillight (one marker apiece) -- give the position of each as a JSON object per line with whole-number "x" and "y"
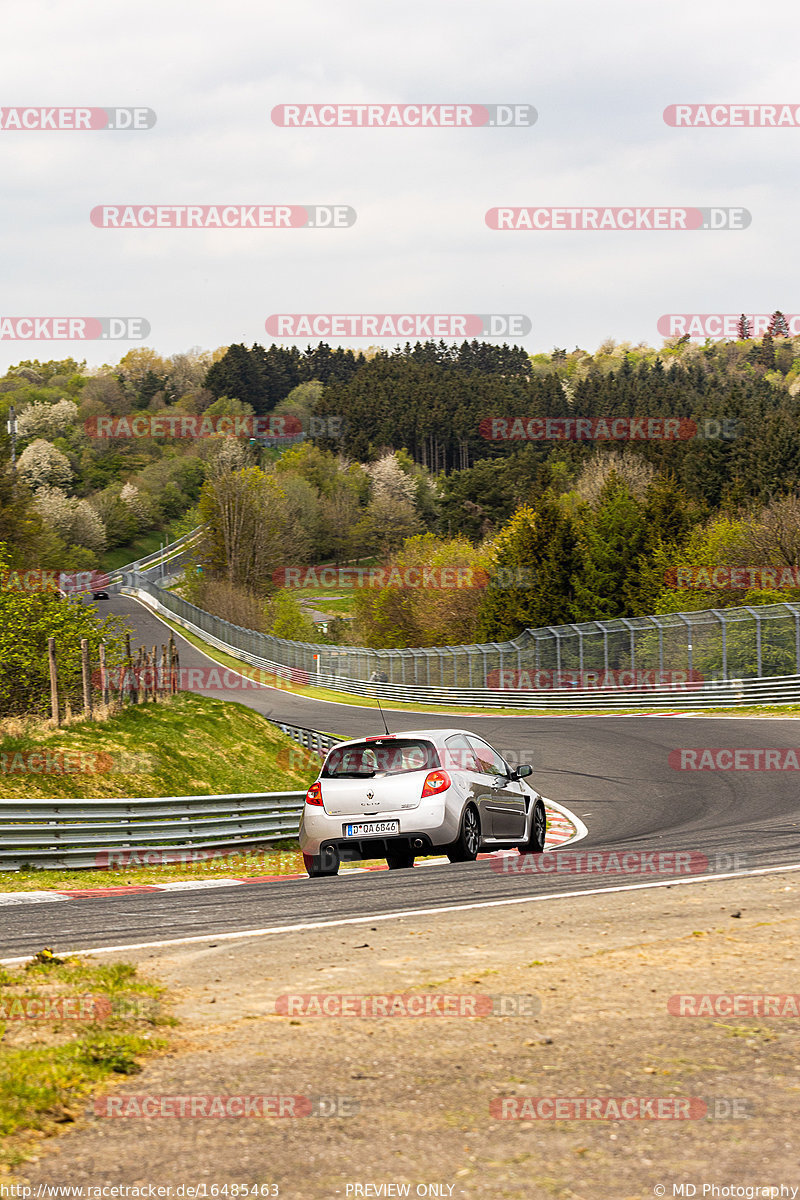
{"x": 435, "y": 782}
{"x": 314, "y": 794}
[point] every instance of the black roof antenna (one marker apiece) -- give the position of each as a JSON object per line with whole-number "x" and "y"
{"x": 380, "y": 710}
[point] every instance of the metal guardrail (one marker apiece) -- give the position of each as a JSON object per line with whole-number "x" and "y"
{"x": 89, "y": 833}
{"x": 154, "y": 566}
{"x": 312, "y": 739}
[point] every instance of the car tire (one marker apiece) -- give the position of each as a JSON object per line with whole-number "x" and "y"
{"x": 399, "y": 857}
{"x": 535, "y": 843}
{"x": 322, "y": 864}
{"x": 465, "y": 847}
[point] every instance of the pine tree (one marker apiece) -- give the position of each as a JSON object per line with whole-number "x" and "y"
{"x": 777, "y": 325}
{"x": 614, "y": 538}
{"x": 767, "y": 353}
{"x": 539, "y": 548}
{"x": 743, "y": 328}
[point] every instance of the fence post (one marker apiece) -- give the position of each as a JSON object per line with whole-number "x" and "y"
{"x": 757, "y": 615}
{"x": 130, "y": 678}
{"x": 87, "y": 678}
{"x": 51, "y": 658}
{"x": 103, "y": 674}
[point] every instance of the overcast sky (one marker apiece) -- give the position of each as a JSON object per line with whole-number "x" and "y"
{"x": 599, "y": 76}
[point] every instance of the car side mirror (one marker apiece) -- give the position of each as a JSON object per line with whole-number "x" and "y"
{"x": 524, "y": 771}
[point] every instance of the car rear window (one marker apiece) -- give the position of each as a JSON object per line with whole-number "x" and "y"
{"x": 391, "y": 756}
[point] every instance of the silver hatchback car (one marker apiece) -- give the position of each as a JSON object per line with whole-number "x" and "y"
{"x": 395, "y": 796}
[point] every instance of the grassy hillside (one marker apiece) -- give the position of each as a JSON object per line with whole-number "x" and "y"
{"x": 190, "y": 745}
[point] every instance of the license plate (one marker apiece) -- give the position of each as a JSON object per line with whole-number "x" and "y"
{"x": 373, "y": 829}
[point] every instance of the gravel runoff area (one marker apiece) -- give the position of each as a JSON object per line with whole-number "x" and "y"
{"x": 431, "y": 1105}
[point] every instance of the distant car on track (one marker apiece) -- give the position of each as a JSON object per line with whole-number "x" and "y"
{"x": 395, "y": 796}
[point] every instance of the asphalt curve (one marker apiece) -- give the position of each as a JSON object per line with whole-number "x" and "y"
{"x": 613, "y": 772}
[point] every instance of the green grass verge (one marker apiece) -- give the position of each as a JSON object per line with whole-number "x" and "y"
{"x": 185, "y": 745}
{"x": 102, "y": 1021}
{"x": 120, "y": 556}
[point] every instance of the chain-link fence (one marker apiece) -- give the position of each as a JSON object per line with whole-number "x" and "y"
{"x": 707, "y": 655}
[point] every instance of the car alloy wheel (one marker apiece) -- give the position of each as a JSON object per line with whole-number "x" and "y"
{"x": 466, "y": 846}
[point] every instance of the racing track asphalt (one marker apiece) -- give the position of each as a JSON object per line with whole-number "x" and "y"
{"x": 613, "y": 772}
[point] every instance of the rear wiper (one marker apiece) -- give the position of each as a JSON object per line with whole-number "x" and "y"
{"x": 353, "y": 775}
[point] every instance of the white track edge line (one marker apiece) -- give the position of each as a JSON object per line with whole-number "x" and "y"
{"x": 238, "y": 935}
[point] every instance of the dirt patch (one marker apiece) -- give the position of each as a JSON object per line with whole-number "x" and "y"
{"x": 601, "y": 971}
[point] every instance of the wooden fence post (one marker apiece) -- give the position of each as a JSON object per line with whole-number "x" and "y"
{"x": 87, "y": 678}
{"x": 103, "y": 674}
{"x": 51, "y": 658}
{"x": 132, "y": 687}
{"x": 173, "y": 654}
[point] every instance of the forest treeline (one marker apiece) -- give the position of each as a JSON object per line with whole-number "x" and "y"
{"x": 399, "y": 462}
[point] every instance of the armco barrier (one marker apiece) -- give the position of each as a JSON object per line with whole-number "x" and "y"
{"x": 77, "y": 833}
{"x": 161, "y": 564}
{"x": 694, "y": 693}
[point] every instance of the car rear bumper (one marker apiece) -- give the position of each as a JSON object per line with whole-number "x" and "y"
{"x": 431, "y": 826}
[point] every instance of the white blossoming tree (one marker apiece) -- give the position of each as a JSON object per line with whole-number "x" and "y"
{"x": 74, "y": 520}
{"x": 47, "y": 420}
{"x": 42, "y": 464}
